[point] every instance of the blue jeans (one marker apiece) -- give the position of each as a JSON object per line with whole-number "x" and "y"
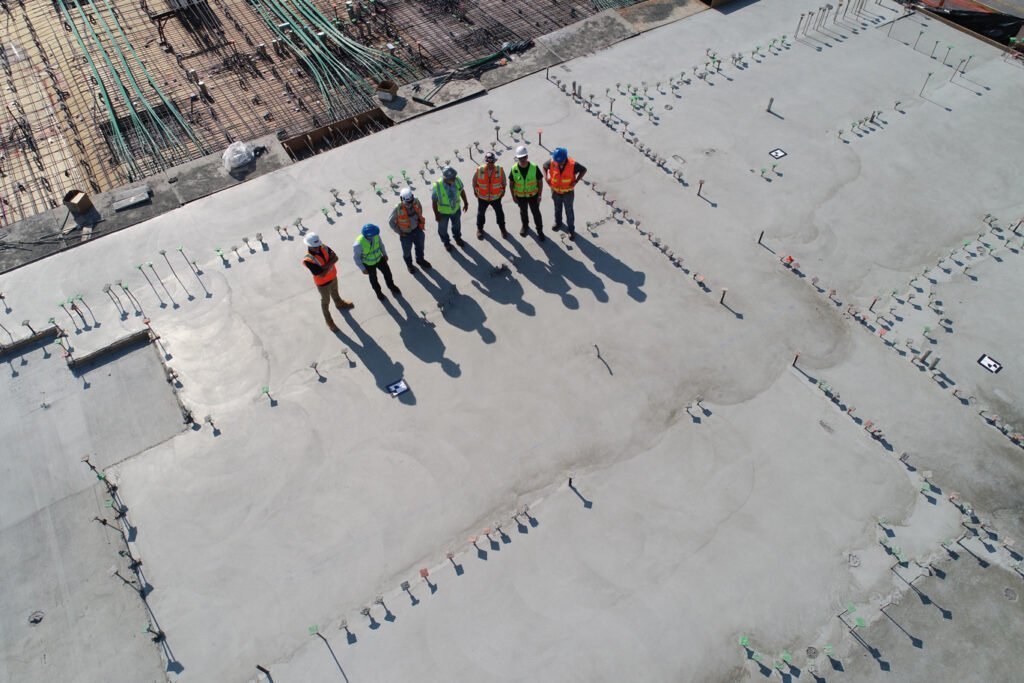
{"x": 565, "y": 200}
{"x": 456, "y": 221}
{"x": 413, "y": 239}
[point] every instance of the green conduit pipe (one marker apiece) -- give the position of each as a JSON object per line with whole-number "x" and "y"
{"x": 120, "y": 145}
{"x": 320, "y": 62}
{"x": 373, "y": 60}
{"x": 323, "y": 87}
{"x": 305, "y": 19}
{"x": 339, "y": 71}
{"x": 160, "y": 129}
{"x": 120, "y": 85}
{"x": 170, "y": 105}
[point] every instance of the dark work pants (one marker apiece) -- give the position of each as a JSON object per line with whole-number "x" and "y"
{"x": 533, "y": 204}
{"x": 565, "y": 201}
{"x": 481, "y": 211}
{"x": 383, "y": 267}
{"x": 413, "y": 239}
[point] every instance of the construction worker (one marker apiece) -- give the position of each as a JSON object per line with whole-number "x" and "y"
{"x": 447, "y": 197}
{"x": 407, "y": 220}
{"x": 489, "y": 185}
{"x": 562, "y": 172}
{"x": 320, "y": 260}
{"x": 526, "y": 191}
{"x": 370, "y": 256}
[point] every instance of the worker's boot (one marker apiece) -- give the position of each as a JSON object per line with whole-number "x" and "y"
{"x": 540, "y": 234}
{"x": 504, "y": 232}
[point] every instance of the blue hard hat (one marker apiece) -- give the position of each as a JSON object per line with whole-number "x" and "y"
{"x": 560, "y": 155}
{"x": 370, "y": 230}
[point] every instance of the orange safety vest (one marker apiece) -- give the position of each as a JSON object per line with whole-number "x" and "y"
{"x": 560, "y": 179}
{"x": 321, "y": 260}
{"x": 402, "y": 217}
{"x": 488, "y": 186}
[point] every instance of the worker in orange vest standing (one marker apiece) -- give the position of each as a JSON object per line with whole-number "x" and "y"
{"x": 562, "y": 172}
{"x": 489, "y": 184}
{"x": 407, "y": 220}
{"x": 320, "y": 260}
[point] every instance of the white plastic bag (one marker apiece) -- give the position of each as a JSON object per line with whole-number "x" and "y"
{"x": 237, "y": 155}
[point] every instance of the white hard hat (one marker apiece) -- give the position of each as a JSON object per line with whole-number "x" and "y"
{"x": 406, "y": 194}
{"x": 312, "y": 240}
{"x": 521, "y": 152}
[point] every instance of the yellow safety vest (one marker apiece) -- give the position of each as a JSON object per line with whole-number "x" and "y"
{"x": 443, "y": 207}
{"x": 372, "y": 253}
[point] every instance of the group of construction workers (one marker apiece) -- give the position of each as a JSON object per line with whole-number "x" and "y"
{"x": 448, "y": 201}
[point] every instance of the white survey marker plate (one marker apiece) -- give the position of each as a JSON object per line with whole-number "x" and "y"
{"x": 399, "y": 387}
{"x": 777, "y": 153}
{"x": 989, "y": 363}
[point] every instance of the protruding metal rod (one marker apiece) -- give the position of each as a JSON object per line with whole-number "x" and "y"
{"x": 921, "y": 94}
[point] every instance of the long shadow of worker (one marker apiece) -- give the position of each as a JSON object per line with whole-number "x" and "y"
{"x": 420, "y": 337}
{"x": 542, "y": 275}
{"x": 458, "y": 309}
{"x": 574, "y": 270}
{"x": 613, "y": 268}
{"x": 377, "y": 361}
{"x": 501, "y": 287}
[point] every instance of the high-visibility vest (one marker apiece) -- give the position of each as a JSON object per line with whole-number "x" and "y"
{"x": 489, "y": 186}
{"x": 402, "y": 217}
{"x": 321, "y": 257}
{"x": 560, "y": 179}
{"x": 525, "y": 185}
{"x": 372, "y": 253}
{"x": 443, "y": 207}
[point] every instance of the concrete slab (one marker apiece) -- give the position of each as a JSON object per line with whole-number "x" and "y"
{"x": 48, "y": 233}
{"x": 645, "y": 16}
{"x": 109, "y": 409}
{"x": 33, "y": 238}
{"x": 720, "y": 490}
{"x": 205, "y": 176}
{"x": 57, "y": 565}
{"x": 442, "y": 90}
{"x": 587, "y": 36}
{"x": 533, "y": 60}
{"x": 971, "y": 596}
{"x": 570, "y": 576}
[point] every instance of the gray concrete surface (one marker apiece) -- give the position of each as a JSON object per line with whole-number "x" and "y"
{"x": 721, "y": 493}
{"x": 442, "y": 94}
{"x": 55, "y": 558}
{"x": 56, "y": 230}
{"x": 57, "y": 567}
